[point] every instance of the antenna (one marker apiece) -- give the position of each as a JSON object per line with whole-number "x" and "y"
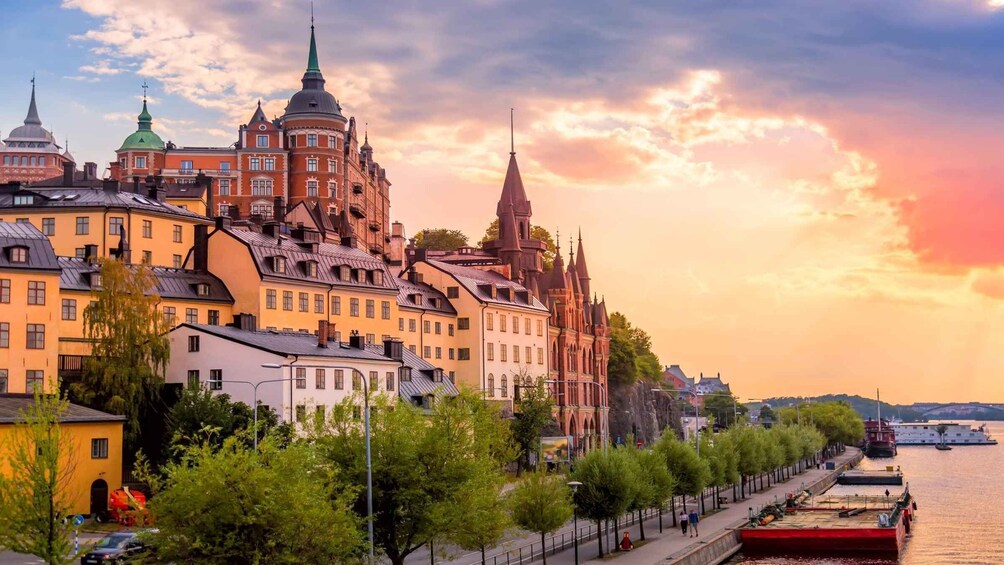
{"x": 311, "y": 14}
{"x": 145, "y": 86}
{"x": 512, "y": 133}
{"x": 33, "y": 79}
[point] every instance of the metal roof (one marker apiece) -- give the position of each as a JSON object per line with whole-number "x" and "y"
{"x": 40, "y": 253}
{"x": 421, "y": 383}
{"x": 407, "y": 289}
{"x": 289, "y": 343}
{"x": 13, "y": 406}
{"x": 85, "y": 197}
{"x": 176, "y": 284}
{"x": 470, "y": 278}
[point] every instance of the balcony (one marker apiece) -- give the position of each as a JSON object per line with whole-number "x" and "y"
{"x": 374, "y": 226}
{"x": 376, "y": 248}
{"x": 229, "y": 173}
{"x": 357, "y": 210}
{"x": 357, "y": 188}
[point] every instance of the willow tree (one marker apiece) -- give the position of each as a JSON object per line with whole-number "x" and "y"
{"x": 130, "y": 348}
{"x": 34, "y": 497}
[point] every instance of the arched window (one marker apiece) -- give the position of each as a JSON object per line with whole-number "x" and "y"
{"x": 33, "y": 162}
{"x": 491, "y": 385}
{"x": 505, "y": 387}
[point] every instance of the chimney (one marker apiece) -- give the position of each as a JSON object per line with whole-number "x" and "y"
{"x": 357, "y": 341}
{"x": 234, "y": 212}
{"x": 332, "y": 334}
{"x": 90, "y": 170}
{"x": 207, "y": 182}
{"x": 135, "y": 184}
{"x": 393, "y": 349}
{"x": 322, "y": 333}
{"x": 91, "y": 253}
{"x": 223, "y": 222}
{"x": 421, "y": 254}
{"x": 279, "y": 210}
{"x": 110, "y": 185}
{"x": 201, "y": 248}
{"x": 246, "y": 322}
{"x": 68, "y": 169}
{"x": 270, "y": 229}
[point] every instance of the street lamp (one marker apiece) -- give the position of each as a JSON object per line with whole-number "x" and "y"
{"x": 366, "y": 427}
{"x": 574, "y": 485}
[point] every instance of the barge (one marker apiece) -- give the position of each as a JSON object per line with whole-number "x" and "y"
{"x": 827, "y": 525}
{"x": 943, "y": 433}
{"x": 889, "y": 477}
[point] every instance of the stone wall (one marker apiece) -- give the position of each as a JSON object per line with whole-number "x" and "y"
{"x": 638, "y": 411}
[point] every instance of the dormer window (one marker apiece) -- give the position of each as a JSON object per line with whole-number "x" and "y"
{"x": 310, "y": 268}
{"x": 279, "y": 264}
{"x": 378, "y": 278}
{"x": 404, "y": 374}
{"x": 17, "y": 254}
{"x": 434, "y": 302}
{"x": 437, "y": 376}
{"x": 417, "y": 299}
{"x": 95, "y": 280}
{"x": 24, "y": 199}
{"x": 361, "y": 276}
{"x": 202, "y": 289}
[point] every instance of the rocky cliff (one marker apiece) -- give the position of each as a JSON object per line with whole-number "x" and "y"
{"x": 638, "y": 411}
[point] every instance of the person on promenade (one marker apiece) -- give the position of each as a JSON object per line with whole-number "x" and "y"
{"x": 626, "y": 544}
{"x": 684, "y": 519}
{"x": 693, "y": 523}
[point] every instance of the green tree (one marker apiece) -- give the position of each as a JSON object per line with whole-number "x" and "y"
{"x": 691, "y": 472}
{"x": 724, "y": 407}
{"x": 480, "y": 521}
{"x": 840, "y": 423}
{"x": 751, "y": 455}
{"x": 536, "y": 232}
{"x": 656, "y": 483}
{"x": 541, "y": 503}
{"x": 440, "y": 239}
{"x": 767, "y": 413}
{"x": 622, "y": 367}
{"x": 608, "y": 487}
{"x": 533, "y": 413}
{"x": 236, "y": 506}
{"x": 720, "y": 454}
{"x": 200, "y": 416}
{"x": 39, "y": 463}
{"x": 640, "y": 362}
{"x": 424, "y": 467}
{"x": 130, "y": 348}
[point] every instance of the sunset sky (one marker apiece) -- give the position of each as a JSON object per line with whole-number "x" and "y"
{"x": 802, "y": 195}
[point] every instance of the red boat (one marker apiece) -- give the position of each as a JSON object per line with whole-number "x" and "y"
{"x": 880, "y": 439}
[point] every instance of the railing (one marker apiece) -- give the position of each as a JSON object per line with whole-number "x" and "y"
{"x": 193, "y": 172}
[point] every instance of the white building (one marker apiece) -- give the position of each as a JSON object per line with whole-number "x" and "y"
{"x": 501, "y": 327}
{"x": 307, "y": 372}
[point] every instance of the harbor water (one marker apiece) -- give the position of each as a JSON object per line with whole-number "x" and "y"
{"x": 960, "y": 507}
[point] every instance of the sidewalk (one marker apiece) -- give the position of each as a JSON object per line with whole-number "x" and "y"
{"x": 671, "y": 543}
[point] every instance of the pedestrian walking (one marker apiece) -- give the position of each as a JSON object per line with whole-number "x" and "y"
{"x": 693, "y": 523}
{"x": 684, "y": 520}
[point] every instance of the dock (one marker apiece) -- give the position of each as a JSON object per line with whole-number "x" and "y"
{"x": 855, "y": 477}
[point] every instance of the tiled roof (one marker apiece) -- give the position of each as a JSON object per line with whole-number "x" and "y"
{"x": 406, "y": 289}
{"x": 40, "y": 254}
{"x": 288, "y": 343}
{"x": 85, "y": 197}
{"x": 12, "y": 407}
{"x": 328, "y": 255}
{"x": 177, "y": 284}
{"x": 472, "y": 278}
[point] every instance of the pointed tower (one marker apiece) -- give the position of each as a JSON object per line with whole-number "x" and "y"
{"x": 510, "y": 252}
{"x": 30, "y": 152}
{"x": 581, "y": 269}
{"x": 143, "y": 152}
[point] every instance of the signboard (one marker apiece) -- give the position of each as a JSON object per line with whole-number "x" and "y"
{"x": 555, "y": 449}
{"x": 78, "y": 520}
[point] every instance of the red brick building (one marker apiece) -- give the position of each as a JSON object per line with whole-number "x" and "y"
{"x": 30, "y": 153}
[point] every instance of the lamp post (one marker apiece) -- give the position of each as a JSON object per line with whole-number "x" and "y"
{"x": 366, "y": 427}
{"x": 574, "y": 485}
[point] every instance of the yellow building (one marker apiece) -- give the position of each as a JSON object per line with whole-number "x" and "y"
{"x": 289, "y": 279}
{"x": 427, "y": 324}
{"x": 29, "y": 310}
{"x": 95, "y": 450}
{"x": 133, "y": 220}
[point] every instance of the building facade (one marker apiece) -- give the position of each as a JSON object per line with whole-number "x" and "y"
{"x": 29, "y": 152}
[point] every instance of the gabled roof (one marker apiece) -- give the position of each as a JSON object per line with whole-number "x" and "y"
{"x": 406, "y": 289}
{"x": 472, "y": 280}
{"x": 84, "y": 197}
{"x": 40, "y": 254}
{"x": 13, "y": 406}
{"x": 175, "y": 284}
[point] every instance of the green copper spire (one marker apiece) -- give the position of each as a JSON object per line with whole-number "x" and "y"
{"x": 312, "y": 64}
{"x": 144, "y": 137}
{"x": 145, "y": 119}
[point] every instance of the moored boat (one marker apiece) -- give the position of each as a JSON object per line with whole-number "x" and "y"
{"x": 880, "y": 439}
{"x": 948, "y": 433}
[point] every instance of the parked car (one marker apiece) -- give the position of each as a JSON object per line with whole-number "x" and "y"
{"x": 119, "y": 547}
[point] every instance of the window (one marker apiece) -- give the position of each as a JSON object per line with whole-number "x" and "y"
{"x": 270, "y": 299}
{"x": 193, "y": 379}
{"x": 262, "y": 141}
{"x": 4, "y": 291}
{"x": 147, "y": 229}
{"x": 370, "y": 308}
{"x": 354, "y": 307}
{"x": 4, "y": 335}
{"x": 192, "y": 315}
{"x": 412, "y": 325}
{"x": 263, "y": 210}
{"x": 529, "y": 355}
{"x": 502, "y": 352}
{"x": 224, "y": 187}
{"x": 114, "y": 226}
{"x": 254, "y": 164}
{"x": 370, "y": 339}
{"x": 279, "y": 264}
{"x": 450, "y": 329}
{"x": 193, "y": 343}
{"x": 453, "y": 354}
{"x": 99, "y": 448}
{"x": 336, "y": 305}
{"x": 140, "y": 162}
{"x": 411, "y": 348}
{"x": 540, "y": 327}
{"x": 319, "y": 377}
{"x": 400, "y": 324}
{"x": 83, "y": 225}
{"x": 310, "y": 268}
{"x": 33, "y": 380}
{"x": 318, "y": 303}
{"x": 147, "y": 257}
{"x": 49, "y": 226}
{"x": 304, "y": 302}
{"x": 453, "y": 292}
{"x": 332, "y": 189}
{"x": 224, "y": 165}
{"x": 311, "y": 188}
{"x": 311, "y": 140}
{"x": 312, "y": 167}
{"x": 170, "y": 314}
{"x": 36, "y": 292}
{"x": 515, "y": 325}
{"x": 332, "y": 166}
{"x": 36, "y": 336}
{"x": 69, "y": 309}
{"x": 439, "y": 328}
{"x": 319, "y": 411}
{"x": 463, "y": 323}
{"x": 515, "y": 354}
{"x": 332, "y": 142}
{"x": 287, "y": 300}
{"x": 491, "y": 385}
{"x": 374, "y": 381}
{"x": 3, "y": 381}
{"x": 177, "y": 234}
{"x": 270, "y": 163}
{"x": 464, "y": 354}
{"x": 176, "y": 261}
{"x": 439, "y": 353}
{"x": 502, "y": 322}
{"x": 489, "y": 321}
{"x": 527, "y": 325}
{"x": 427, "y": 352}
{"x": 540, "y": 355}
{"x": 385, "y": 310}
{"x": 301, "y": 412}
{"x": 504, "y": 387}
{"x": 215, "y": 379}
{"x": 491, "y": 351}
{"x": 339, "y": 379}
{"x": 214, "y": 317}
{"x": 301, "y": 377}
{"x": 262, "y": 187}
{"x": 426, "y": 327}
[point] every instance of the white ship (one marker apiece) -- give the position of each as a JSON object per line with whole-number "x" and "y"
{"x": 955, "y": 434}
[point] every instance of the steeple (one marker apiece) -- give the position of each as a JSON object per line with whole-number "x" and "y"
{"x": 312, "y": 98}
{"x": 259, "y": 115}
{"x": 512, "y": 189}
{"x": 559, "y": 281}
{"x": 144, "y": 120}
{"x": 144, "y": 137}
{"x": 312, "y": 65}
{"x": 32, "y": 118}
{"x": 580, "y": 266}
{"x": 510, "y": 237}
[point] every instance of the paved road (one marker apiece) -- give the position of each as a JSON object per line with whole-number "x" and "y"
{"x": 11, "y": 558}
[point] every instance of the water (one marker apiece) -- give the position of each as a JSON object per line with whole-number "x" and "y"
{"x": 960, "y": 508}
